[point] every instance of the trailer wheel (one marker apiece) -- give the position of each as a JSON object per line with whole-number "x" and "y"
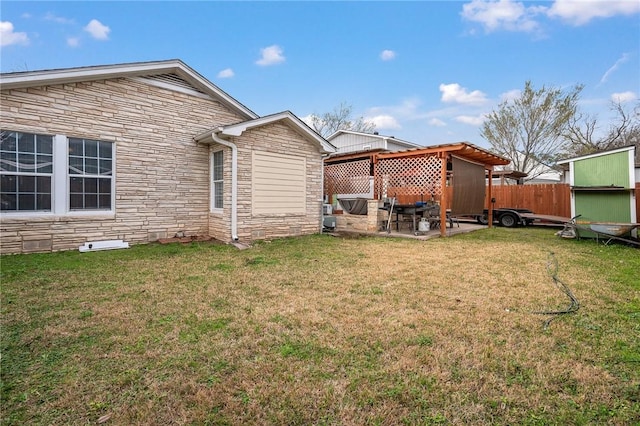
{"x": 508, "y": 220}
{"x": 483, "y": 220}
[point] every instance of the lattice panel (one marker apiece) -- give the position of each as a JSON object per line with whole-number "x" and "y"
{"x": 408, "y": 176}
{"x": 347, "y": 178}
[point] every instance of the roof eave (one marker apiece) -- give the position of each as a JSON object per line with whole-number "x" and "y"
{"x": 21, "y": 80}
{"x": 239, "y": 128}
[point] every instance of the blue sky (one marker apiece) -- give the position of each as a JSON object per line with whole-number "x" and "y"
{"x": 423, "y": 71}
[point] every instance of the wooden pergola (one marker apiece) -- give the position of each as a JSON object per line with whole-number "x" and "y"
{"x": 412, "y": 172}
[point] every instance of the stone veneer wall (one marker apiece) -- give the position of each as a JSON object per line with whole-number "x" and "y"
{"x": 162, "y": 175}
{"x": 273, "y": 138}
{"x": 371, "y": 222}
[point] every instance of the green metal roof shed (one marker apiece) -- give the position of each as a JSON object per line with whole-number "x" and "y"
{"x": 603, "y": 186}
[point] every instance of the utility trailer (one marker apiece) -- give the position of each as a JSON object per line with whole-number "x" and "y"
{"x": 511, "y": 217}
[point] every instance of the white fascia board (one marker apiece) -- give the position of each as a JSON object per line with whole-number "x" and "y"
{"x": 597, "y": 154}
{"x": 335, "y": 134}
{"x": 239, "y": 128}
{"x": 69, "y": 75}
{"x": 139, "y": 69}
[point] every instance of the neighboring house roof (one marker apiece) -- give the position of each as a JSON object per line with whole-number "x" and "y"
{"x": 162, "y": 73}
{"x": 538, "y": 172}
{"x": 287, "y": 116}
{"x": 393, "y": 139}
{"x": 464, "y": 150}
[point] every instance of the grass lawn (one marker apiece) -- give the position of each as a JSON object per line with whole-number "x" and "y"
{"x": 324, "y": 330}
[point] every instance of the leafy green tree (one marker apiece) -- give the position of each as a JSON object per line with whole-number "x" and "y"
{"x": 341, "y": 118}
{"x": 528, "y": 129}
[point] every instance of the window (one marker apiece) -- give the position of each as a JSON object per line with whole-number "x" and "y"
{"x": 217, "y": 180}
{"x": 26, "y": 169}
{"x": 55, "y": 174}
{"x": 90, "y": 174}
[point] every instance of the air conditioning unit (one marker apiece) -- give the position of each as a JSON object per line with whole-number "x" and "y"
{"x": 329, "y": 222}
{"x": 327, "y": 209}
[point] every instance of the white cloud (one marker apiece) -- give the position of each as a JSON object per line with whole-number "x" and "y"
{"x": 436, "y": 122}
{"x": 510, "y": 95}
{"x": 98, "y": 30}
{"x": 458, "y": 94}
{"x": 226, "y": 73}
{"x": 614, "y": 67}
{"x": 307, "y": 120}
{"x": 271, "y": 55}
{"x": 581, "y": 12}
{"x": 73, "y": 41}
{"x": 471, "y": 120}
{"x": 387, "y": 55}
{"x": 58, "y": 19}
{"x": 9, "y": 37}
{"x": 624, "y": 97}
{"x": 502, "y": 14}
{"x": 384, "y": 122}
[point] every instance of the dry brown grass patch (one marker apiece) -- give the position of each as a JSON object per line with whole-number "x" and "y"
{"x": 320, "y": 330}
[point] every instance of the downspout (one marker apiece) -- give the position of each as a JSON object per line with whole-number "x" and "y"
{"x": 234, "y": 183}
{"x": 322, "y": 157}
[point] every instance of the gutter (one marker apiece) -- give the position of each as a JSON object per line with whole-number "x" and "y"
{"x": 234, "y": 181}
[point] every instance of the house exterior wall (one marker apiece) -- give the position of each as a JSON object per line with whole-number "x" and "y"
{"x": 162, "y": 176}
{"x": 220, "y": 221}
{"x": 277, "y": 138}
{"x": 348, "y": 142}
{"x": 393, "y": 146}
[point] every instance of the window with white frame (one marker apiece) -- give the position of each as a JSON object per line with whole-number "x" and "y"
{"x": 55, "y": 174}
{"x": 217, "y": 180}
{"x": 90, "y": 174}
{"x": 26, "y": 171}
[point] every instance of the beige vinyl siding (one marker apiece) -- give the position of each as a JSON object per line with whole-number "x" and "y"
{"x": 278, "y": 184}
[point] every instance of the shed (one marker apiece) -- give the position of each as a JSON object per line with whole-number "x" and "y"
{"x": 144, "y": 151}
{"x": 603, "y": 186}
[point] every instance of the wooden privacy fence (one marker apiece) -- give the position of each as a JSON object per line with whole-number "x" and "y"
{"x": 550, "y": 199}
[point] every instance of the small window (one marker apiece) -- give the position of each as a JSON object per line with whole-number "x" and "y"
{"x": 90, "y": 174}
{"x": 217, "y": 180}
{"x": 26, "y": 169}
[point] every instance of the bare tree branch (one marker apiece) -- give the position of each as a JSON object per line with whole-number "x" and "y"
{"x": 582, "y": 133}
{"x": 340, "y": 119}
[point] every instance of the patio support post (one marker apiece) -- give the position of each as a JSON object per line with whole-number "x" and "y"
{"x": 490, "y": 197}
{"x": 443, "y": 197}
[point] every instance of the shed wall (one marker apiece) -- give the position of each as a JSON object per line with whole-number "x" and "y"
{"x": 605, "y": 170}
{"x": 603, "y": 207}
